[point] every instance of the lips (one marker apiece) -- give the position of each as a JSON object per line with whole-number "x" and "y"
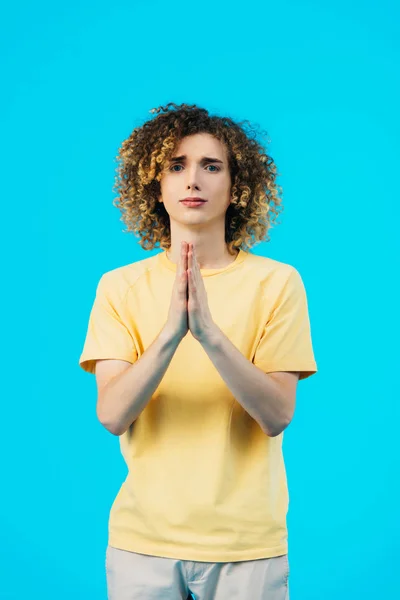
{"x": 192, "y": 203}
{"x": 193, "y": 200}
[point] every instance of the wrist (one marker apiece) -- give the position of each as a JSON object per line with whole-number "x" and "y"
{"x": 210, "y": 336}
{"x": 169, "y": 336}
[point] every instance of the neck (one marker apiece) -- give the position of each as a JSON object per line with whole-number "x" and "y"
{"x": 205, "y": 258}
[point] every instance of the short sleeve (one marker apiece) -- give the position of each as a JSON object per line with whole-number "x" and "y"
{"x": 286, "y": 343}
{"x": 107, "y": 334}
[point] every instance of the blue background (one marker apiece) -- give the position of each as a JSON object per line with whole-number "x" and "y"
{"x": 323, "y": 80}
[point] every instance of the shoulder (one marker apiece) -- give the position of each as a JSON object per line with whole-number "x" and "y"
{"x": 118, "y": 281}
{"x": 273, "y": 273}
{"x": 280, "y": 284}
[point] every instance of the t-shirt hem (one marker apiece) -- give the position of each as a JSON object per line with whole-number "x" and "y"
{"x": 305, "y": 370}
{"x": 270, "y": 367}
{"x": 213, "y": 555}
{"x": 87, "y": 362}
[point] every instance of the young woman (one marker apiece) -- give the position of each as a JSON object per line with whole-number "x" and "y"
{"x": 197, "y": 352}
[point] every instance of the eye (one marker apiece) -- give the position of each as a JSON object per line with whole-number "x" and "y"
{"x": 179, "y": 165}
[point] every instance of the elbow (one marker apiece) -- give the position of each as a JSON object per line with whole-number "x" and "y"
{"x": 111, "y": 427}
{"x": 115, "y": 429}
{"x": 277, "y": 430}
{"x": 106, "y": 421}
{"x": 272, "y": 434}
{"x": 116, "y": 432}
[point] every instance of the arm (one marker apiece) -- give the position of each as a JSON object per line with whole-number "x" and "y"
{"x": 123, "y": 398}
{"x": 269, "y": 399}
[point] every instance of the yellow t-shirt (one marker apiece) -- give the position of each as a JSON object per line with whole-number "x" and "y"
{"x": 204, "y": 482}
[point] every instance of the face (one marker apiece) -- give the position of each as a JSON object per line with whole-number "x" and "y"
{"x": 194, "y": 174}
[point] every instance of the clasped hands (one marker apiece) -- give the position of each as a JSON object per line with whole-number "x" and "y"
{"x": 200, "y": 320}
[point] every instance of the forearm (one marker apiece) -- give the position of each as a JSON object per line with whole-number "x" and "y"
{"x": 126, "y": 396}
{"x": 258, "y": 393}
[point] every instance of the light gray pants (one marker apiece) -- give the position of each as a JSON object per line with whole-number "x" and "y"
{"x": 132, "y": 576}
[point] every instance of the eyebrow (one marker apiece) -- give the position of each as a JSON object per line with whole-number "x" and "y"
{"x": 205, "y": 159}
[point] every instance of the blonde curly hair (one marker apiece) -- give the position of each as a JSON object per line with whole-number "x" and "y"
{"x": 144, "y": 155}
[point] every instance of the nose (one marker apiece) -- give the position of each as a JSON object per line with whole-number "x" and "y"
{"x": 193, "y": 178}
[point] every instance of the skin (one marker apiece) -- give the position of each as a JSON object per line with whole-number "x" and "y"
{"x": 203, "y": 227}
{"x": 268, "y": 398}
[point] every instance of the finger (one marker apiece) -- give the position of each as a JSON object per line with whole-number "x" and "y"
{"x": 183, "y": 267}
{"x": 190, "y": 257}
{"x": 185, "y": 255}
{"x": 195, "y": 267}
{"x": 191, "y": 283}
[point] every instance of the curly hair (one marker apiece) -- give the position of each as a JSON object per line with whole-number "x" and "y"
{"x": 143, "y": 156}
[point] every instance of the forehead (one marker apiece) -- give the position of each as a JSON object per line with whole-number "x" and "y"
{"x": 201, "y": 144}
